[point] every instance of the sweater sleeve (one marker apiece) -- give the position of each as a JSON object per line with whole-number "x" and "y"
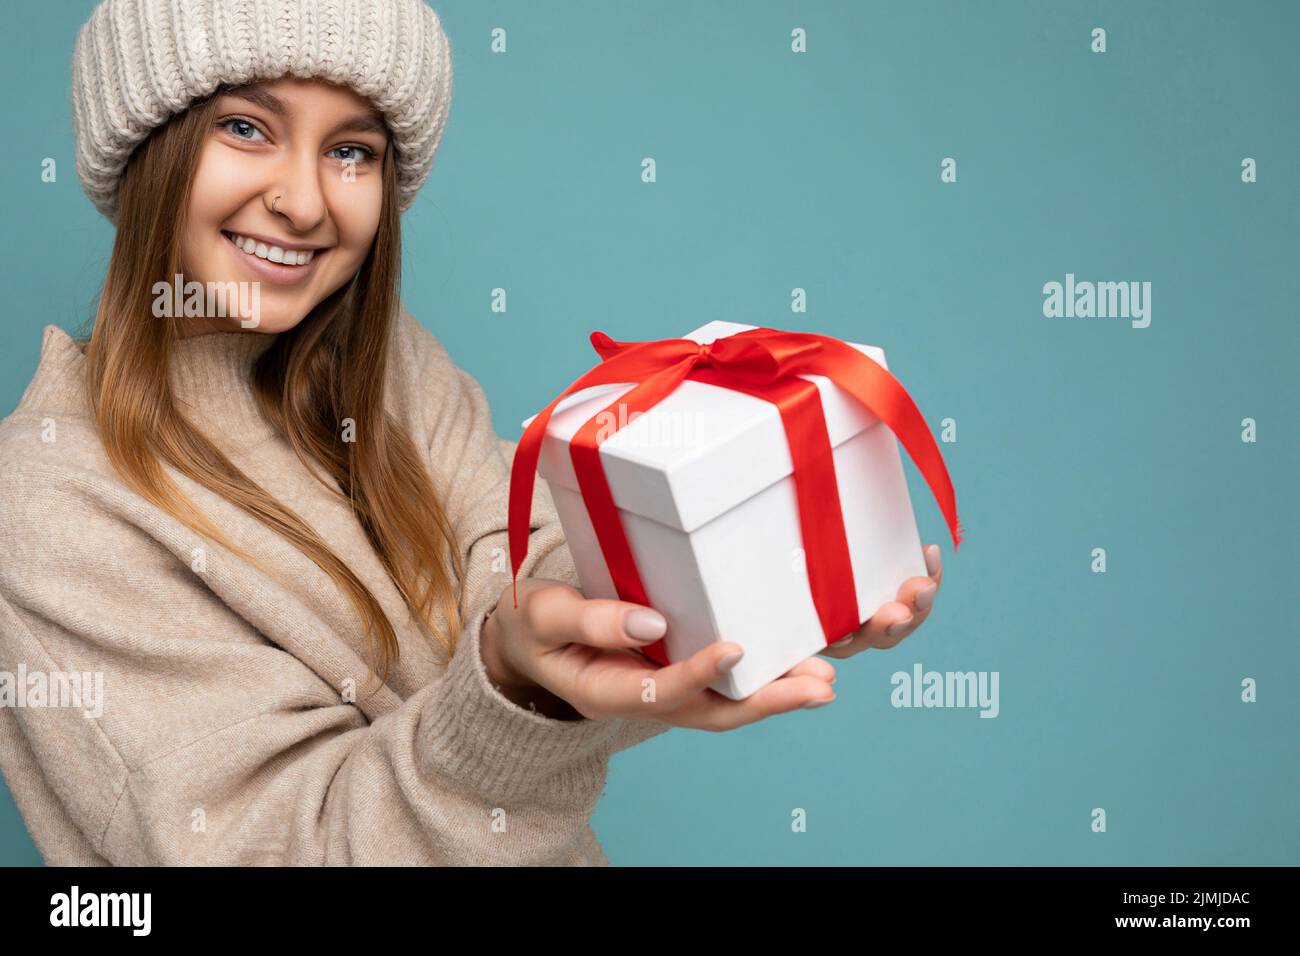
{"x": 210, "y": 741}
{"x": 473, "y": 466}
{"x": 557, "y": 565}
{"x": 212, "y": 745}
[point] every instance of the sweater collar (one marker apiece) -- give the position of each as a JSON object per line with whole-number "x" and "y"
{"x": 210, "y": 376}
{"x": 211, "y": 380}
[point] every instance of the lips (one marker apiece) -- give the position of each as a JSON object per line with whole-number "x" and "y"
{"x": 275, "y": 272}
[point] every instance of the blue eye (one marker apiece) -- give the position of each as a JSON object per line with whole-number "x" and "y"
{"x": 366, "y": 154}
{"x": 243, "y": 124}
{"x": 247, "y": 130}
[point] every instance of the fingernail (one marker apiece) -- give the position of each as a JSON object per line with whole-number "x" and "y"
{"x": 842, "y": 641}
{"x": 925, "y": 597}
{"x": 932, "y": 563}
{"x": 730, "y": 661}
{"x": 818, "y": 703}
{"x": 642, "y": 624}
{"x": 899, "y": 628}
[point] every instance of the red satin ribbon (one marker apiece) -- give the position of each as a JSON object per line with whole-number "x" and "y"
{"x": 764, "y": 363}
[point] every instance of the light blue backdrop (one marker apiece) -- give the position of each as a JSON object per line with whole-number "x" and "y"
{"x": 821, "y": 171}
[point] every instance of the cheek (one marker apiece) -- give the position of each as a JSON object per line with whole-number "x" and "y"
{"x": 221, "y": 183}
{"x": 355, "y": 207}
{"x": 223, "y": 180}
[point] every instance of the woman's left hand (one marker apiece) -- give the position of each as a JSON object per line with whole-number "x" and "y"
{"x": 897, "y": 619}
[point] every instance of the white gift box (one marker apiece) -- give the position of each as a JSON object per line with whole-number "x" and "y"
{"x": 704, "y": 486}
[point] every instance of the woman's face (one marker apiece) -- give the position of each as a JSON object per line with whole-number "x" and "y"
{"x": 319, "y": 148}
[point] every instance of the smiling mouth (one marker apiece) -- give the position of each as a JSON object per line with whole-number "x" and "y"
{"x": 273, "y": 254}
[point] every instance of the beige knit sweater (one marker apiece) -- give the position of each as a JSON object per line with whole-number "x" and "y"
{"x": 227, "y": 732}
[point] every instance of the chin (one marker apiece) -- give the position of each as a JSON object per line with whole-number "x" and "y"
{"x": 279, "y": 316}
{"x": 277, "y": 323}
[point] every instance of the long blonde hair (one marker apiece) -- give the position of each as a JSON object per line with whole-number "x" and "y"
{"x": 328, "y": 367}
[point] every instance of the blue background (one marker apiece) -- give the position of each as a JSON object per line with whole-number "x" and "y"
{"x": 820, "y": 171}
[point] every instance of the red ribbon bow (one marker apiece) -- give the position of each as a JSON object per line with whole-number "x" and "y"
{"x": 765, "y": 363}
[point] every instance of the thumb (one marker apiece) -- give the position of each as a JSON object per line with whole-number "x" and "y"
{"x": 557, "y": 614}
{"x": 601, "y": 622}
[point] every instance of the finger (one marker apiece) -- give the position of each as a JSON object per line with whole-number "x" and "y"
{"x": 813, "y": 667}
{"x": 846, "y": 646}
{"x": 934, "y": 562}
{"x": 558, "y": 614}
{"x": 918, "y": 594}
{"x": 865, "y": 639}
{"x": 887, "y": 626}
{"x": 715, "y": 712}
{"x": 675, "y": 684}
{"x": 684, "y": 690}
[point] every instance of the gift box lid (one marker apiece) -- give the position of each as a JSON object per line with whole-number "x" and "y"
{"x": 700, "y": 451}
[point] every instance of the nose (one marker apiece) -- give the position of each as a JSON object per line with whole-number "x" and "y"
{"x": 298, "y": 186}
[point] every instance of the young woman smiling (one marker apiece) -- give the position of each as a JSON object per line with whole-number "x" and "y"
{"x": 281, "y": 541}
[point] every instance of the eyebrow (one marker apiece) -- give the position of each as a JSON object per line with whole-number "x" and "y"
{"x": 358, "y": 123}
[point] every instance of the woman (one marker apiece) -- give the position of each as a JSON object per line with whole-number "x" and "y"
{"x": 277, "y": 532}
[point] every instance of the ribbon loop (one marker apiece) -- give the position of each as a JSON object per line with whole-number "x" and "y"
{"x": 763, "y": 362}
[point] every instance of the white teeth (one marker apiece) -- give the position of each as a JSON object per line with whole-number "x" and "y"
{"x": 288, "y": 257}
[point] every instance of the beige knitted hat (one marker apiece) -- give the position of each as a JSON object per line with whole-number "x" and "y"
{"x": 138, "y": 62}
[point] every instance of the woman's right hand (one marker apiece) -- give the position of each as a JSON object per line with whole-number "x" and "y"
{"x": 577, "y": 649}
